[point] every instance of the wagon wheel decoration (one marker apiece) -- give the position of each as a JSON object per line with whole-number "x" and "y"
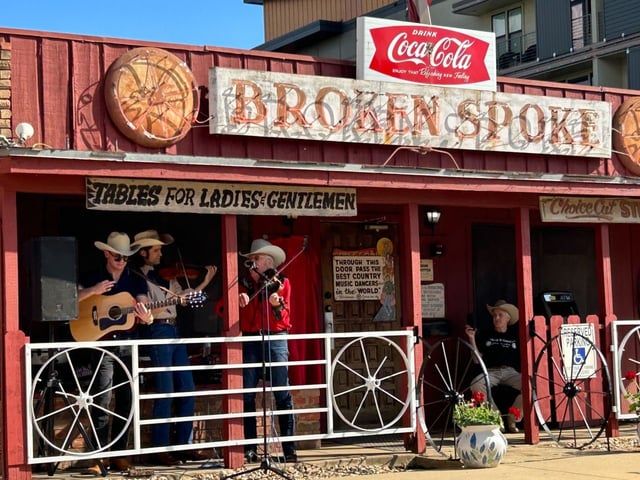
{"x": 151, "y": 96}
{"x": 378, "y": 392}
{"x": 629, "y": 356}
{"x": 62, "y": 406}
{"x": 444, "y": 381}
{"x": 571, "y": 390}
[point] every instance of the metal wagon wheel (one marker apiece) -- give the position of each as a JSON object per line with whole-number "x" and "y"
{"x": 629, "y": 354}
{"x": 444, "y": 381}
{"x": 380, "y": 388}
{"x": 62, "y": 404}
{"x": 571, "y": 389}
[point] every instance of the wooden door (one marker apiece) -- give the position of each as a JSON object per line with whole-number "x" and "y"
{"x": 361, "y": 359}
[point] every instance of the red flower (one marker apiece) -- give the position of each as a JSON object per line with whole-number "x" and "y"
{"x": 630, "y": 375}
{"x": 514, "y": 411}
{"x": 478, "y": 397}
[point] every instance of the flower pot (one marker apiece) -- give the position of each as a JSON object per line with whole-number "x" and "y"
{"x": 481, "y": 446}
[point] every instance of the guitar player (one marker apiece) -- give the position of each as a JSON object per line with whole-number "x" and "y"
{"x": 114, "y": 277}
{"x": 165, "y": 326}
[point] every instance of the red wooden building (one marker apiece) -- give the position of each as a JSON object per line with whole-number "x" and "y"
{"x": 507, "y": 197}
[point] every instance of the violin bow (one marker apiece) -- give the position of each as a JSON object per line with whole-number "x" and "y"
{"x": 184, "y": 270}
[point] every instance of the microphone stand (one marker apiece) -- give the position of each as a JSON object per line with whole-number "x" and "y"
{"x": 266, "y": 464}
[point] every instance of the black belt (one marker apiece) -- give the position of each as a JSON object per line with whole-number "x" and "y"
{"x": 166, "y": 321}
{"x": 260, "y": 332}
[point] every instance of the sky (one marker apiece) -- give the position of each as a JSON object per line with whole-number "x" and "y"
{"x": 219, "y": 23}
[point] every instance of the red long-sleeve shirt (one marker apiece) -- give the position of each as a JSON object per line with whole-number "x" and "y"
{"x": 255, "y": 317}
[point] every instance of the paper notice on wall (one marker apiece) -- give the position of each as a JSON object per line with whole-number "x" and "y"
{"x": 432, "y": 297}
{"x": 358, "y": 277}
{"x": 426, "y": 270}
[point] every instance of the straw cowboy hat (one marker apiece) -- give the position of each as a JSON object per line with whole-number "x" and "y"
{"x": 512, "y": 310}
{"x": 150, "y": 238}
{"x": 263, "y": 247}
{"x": 118, "y": 242}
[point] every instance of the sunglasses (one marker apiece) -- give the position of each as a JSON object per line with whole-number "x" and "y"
{"x": 119, "y": 258}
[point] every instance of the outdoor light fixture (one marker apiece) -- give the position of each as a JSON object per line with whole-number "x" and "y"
{"x": 24, "y": 132}
{"x": 431, "y": 218}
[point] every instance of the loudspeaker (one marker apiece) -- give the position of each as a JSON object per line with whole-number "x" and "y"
{"x": 54, "y": 274}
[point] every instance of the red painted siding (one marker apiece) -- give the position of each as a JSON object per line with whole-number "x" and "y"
{"x": 57, "y": 86}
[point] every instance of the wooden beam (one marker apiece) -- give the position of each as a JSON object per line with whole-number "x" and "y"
{"x": 525, "y": 305}
{"x": 14, "y": 459}
{"x": 411, "y": 302}
{"x": 231, "y": 352}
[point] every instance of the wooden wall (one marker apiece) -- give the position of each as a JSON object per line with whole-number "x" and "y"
{"x": 57, "y": 86}
{"x": 284, "y": 16}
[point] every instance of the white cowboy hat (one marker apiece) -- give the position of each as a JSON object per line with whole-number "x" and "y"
{"x": 150, "y": 238}
{"x": 512, "y": 310}
{"x": 118, "y": 242}
{"x": 263, "y": 247}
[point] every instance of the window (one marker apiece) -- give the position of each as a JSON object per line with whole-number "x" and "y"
{"x": 580, "y": 23}
{"x": 507, "y": 26}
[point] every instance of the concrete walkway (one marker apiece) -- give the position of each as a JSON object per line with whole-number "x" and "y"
{"x": 530, "y": 462}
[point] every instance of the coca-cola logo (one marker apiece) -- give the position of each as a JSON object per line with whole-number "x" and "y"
{"x": 426, "y": 54}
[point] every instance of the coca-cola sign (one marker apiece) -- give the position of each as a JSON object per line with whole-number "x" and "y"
{"x": 417, "y": 53}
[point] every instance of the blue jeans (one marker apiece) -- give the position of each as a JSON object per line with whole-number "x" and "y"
{"x": 275, "y": 351}
{"x": 168, "y": 355}
{"x": 110, "y": 373}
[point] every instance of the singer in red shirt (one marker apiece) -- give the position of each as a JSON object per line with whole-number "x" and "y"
{"x": 264, "y": 300}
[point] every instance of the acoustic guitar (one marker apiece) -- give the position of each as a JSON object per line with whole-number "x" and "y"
{"x": 101, "y": 315}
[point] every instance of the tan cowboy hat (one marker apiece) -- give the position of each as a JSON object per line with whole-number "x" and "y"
{"x": 150, "y": 238}
{"x": 512, "y": 310}
{"x": 262, "y": 247}
{"x": 118, "y": 242}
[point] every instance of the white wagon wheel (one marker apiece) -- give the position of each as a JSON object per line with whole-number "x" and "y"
{"x": 61, "y": 408}
{"x": 375, "y": 385}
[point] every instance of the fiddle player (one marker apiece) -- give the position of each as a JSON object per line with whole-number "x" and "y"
{"x": 165, "y": 326}
{"x": 264, "y": 298}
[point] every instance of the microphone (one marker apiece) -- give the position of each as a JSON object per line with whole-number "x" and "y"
{"x": 305, "y": 242}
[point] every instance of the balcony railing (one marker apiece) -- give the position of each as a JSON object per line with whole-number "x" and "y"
{"x": 522, "y": 49}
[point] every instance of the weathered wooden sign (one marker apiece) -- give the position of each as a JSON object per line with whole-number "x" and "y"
{"x": 306, "y": 107}
{"x": 589, "y": 209}
{"x": 196, "y": 197}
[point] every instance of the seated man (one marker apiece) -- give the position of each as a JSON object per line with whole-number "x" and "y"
{"x": 499, "y": 348}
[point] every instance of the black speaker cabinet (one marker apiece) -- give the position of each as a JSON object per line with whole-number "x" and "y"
{"x": 54, "y": 279}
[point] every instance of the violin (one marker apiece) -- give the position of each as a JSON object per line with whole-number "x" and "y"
{"x": 271, "y": 280}
{"x": 190, "y": 272}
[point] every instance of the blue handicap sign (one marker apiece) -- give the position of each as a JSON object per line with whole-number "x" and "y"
{"x": 579, "y": 355}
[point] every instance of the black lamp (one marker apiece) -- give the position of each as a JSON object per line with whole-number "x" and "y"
{"x": 431, "y": 218}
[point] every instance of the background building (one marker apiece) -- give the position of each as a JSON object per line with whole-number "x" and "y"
{"x": 587, "y": 42}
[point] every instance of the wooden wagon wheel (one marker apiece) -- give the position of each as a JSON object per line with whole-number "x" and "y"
{"x": 151, "y": 97}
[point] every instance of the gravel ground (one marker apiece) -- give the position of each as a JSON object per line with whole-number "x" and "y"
{"x": 311, "y": 471}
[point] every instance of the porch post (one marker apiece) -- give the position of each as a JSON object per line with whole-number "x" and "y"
{"x": 231, "y": 352}
{"x": 411, "y": 304}
{"x": 14, "y": 405}
{"x": 605, "y": 300}
{"x": 525, "y": 305}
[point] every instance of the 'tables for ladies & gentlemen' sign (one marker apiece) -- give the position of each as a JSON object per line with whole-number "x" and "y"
{"x": 311, "y": 107}
{"x": 222, "y": 198}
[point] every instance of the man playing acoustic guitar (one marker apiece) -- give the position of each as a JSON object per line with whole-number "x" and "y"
{"x": 111, "y": 279}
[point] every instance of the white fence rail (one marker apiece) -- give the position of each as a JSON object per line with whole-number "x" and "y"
{"x": 59, "y": 379}
{"x": 625, "y": 348}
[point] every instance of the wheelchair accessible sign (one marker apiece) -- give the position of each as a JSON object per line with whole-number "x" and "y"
{"x": 578, "y": 350}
